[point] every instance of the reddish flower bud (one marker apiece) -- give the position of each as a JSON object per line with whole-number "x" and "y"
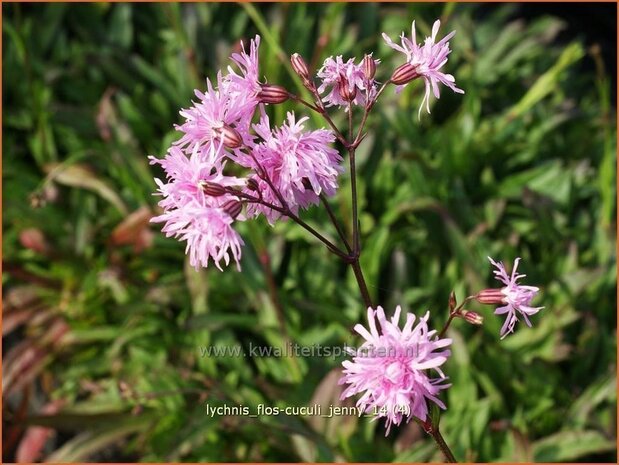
{"x": 404, "y": 74}
{"x": 452, "y": 301}
{"x": 260, "y": 171}
{"x": 33, "y": 239}
{"x": 490, "y": 297}
{"x": 233, "y": 208}
{"x": 473, "y": 318}
{"x": 252, "y": 184}
{"x": 369, "y": 67}
{"x": 345, "y": 92}
{"x": 231, "y": 137}
{"x": 212, "y": 189}
{"x": 270, "y": 93}
{"x": 299, "y": 66}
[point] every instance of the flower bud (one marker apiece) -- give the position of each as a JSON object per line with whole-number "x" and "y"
{"x": 369, "y": 67}
{"x": 472, "y": 317}
{"x": 252, "y": 184}
{"x": 270, "y": 93}
{"x": 212, "y": 189}
{"x": 231, "y": 137}
{"x": 233, "y": 208}
{"x": 260, "y": 171}
{"x": 452, "y": 301}
{"x": 490, "y": 297}
{"x": 345, "y": 92}
{"x": 404, "y": 74}
{"x": 299, "y": 66}
{"x": 33, "y": 239}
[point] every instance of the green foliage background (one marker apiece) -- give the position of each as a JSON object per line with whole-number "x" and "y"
{"x": 522, "y": 165}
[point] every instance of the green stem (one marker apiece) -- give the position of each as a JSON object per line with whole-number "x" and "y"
{"x": 284, "y": 210}
{"x": 442, "y": 445}
{"x": 335, "y": 222}
{"x": 356, "y": 267}
{"x": 454, "y": 314}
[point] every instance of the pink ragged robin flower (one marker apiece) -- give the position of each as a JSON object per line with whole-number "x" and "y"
{"x": 390, "y": 369}
{"x": 301, "y": 165}
{"x": 210, "y": 122}
{"x": 515, "y": 297}
{"x": 196, "y": 208}
{"x": 427, "y": 59}
{"x": 245, "y": 86}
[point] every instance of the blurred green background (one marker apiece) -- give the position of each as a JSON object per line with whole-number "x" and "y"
{"x": 103, "y": 320}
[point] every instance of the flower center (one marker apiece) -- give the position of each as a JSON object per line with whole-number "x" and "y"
{"x": 217, "y": 125}
{"x": 511, "y": 294}
{"x": 395, "y": 372}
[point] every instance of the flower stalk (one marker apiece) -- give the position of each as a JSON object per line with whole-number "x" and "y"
{"x": 433, "y": 430}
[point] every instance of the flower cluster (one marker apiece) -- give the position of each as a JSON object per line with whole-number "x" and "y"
{"x": 348, "y": 82}
{"x": 391, "y": 367}
{"x": 288, "y": 167}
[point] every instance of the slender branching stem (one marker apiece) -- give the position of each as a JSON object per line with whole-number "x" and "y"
{"x": 454, "y": 313}
{"x": 287, "y": 212}
{"x": 355, "y": 207}
{"x": 332, "y": 247}
{"x": 335, "y": 222}
{"x": 353, "y": 189}
{"x": 363, "y": 288}
{"x": 321, "y": 110}
{"x": 350, "y": 121}
{"x": 366, "y": 113}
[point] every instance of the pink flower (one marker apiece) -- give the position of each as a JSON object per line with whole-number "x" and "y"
{"x": 207, "y": 231}
{"x": 517, "y": 298}
{"x": 301, "y": 165}
{"x": 346, "y": 79}
{"x": 428, "y": 58}
{"x": 390, "y": 368}
{"x": 245, "y": 87}
{"x": 206, "y": 121}
{"x": 185, "y": 177}
{"x": 191, "y": 215}
{"x": 230, "y": 106}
